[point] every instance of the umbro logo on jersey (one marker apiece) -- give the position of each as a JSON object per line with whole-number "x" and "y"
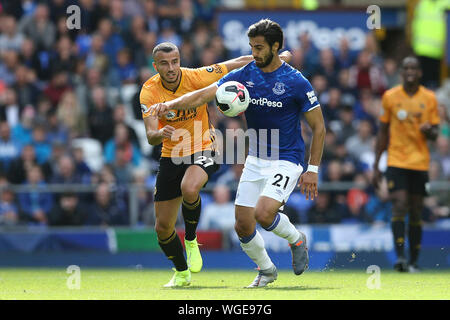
{"x": 250, "y": 84}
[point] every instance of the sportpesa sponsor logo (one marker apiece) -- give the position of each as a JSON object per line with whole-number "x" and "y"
{"x": 264, "y": 101}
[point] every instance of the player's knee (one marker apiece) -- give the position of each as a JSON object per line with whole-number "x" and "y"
{"x": 242, "y": 229}
{"x": 399, "y": 206}
{"x": 190, "y": 191}
{"x": 163, "y": 230}
{"x": 264, "y": 217}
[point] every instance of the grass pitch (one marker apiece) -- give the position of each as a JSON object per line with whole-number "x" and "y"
{"x": 124, "y": 284}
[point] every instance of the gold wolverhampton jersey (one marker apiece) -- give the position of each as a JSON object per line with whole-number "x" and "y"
{"x": 194, "y": 131}
{"x": 407, "y": 144}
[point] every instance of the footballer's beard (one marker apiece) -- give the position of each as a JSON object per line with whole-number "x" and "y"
{"x": 171, "y": 80}
{"x": 265, "y": 62}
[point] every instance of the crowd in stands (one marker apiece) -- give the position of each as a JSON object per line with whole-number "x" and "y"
{"x": 70, "y": 115}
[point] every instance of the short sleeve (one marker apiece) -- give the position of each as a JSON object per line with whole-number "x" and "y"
{"x": 231, "y": 76}
{"x": 385, "y": 113}
{"x": 434, "y": 113}
{"x": 307, "y": 97}
{"x": 203, "y": 77}
{"x": 146, "y": 99}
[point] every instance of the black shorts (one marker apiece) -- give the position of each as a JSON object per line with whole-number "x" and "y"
{"x": 171, "y": 172}
{"x": 413, "y": 181}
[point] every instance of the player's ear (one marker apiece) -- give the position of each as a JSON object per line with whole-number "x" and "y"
{"x": 154, "y": 65}
{"x": 275, "y": 47}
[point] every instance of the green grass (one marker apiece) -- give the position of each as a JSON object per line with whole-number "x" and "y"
{"x": 224, "y": 285}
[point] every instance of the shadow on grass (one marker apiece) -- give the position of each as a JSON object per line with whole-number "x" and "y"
{"x": 299, "y": 288}
{"x": 194, "y": 287}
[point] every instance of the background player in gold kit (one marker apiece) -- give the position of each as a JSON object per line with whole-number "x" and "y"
{"x": 410, "y": 118}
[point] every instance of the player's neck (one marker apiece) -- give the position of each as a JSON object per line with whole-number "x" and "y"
{"x": 274, "y": 65}
{"x": 172, "y": 86}
{"x": 411, "y": 88}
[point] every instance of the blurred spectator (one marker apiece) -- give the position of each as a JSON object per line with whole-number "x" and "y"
{"x": 96, "y": 57}
{"x": 9, "y": 149}
{"x": 10, "y": 38}
{"x": 151, "y": 15}
{"x": 362, "y": 142}
{"x": 100, "y": 120}
{"x": 325, "y": 210}
{"x": 119, "y": 20}
{"x": 65, "y": 59}
{"x": 68, "y": 172}
{"x": 125, "y": 72}
{"x": 35, "y": 205}
{"x": 310, "y": 54}
{"x": 168, "y": 34}
{"x": 9, "y": 214}
{"x": 9, "y": 109}
{"x": 113, "y": 42}
{"x": 8, "y": 64}
{"x": 39, "y": 28}
{"x": 123, "y": 168}
{"x": 392, "y": 73}
{"x": 441, "y": 155}
{"x": 332, "y": 106}
{"x": 42, "y": 146}
{"x": 121, "y": 140}
{"x": 143, "y": 56}
{"x": 26, "y": 91}
{"x": 327, "y": 66}
{"x": 17, "y": 172}
{"x": 357, "y": 198}
{"x": 365, "y": 74}
{"x": 134, "y": 36}
{"x": 104, "y": 211}
{"x": 120, "y": 117}
{"x": 145, "y": 197}
{"x": 231, "y": 177}
{"x": 345, "y": 127}
{"x": 187, "y": 18}
{"x": 58, "y": 85}
{"x": 218, "y": 215}
{"x": 68, "y": 211}
{"x": 345, "y": 58}
{"x": 379, "y": 206}
{"x": 70, "y": 114}
{"x": 169, "y": 13}
{"x": 56, "y": 130}
{"x": 37, "y": 61}
{"x": 22, "y": 132}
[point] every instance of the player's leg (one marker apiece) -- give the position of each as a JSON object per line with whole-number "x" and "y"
{"x": 279, "y": 185}
{"x": 268, "y": 215}
{"x": 417, "y": 192}
{"x": 194, "y": 179}
{"x": 414, "y": 230}
{"x": 166, "y": 213}
{"x": 252, "y": 244}
{"x": 398, "y": 194}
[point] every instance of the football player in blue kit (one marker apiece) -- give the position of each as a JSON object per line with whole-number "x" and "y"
{"x": 280, "y": 95}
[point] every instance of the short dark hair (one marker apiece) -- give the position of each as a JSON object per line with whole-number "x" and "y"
{"x": 411, "y": 57}
{"x": 270, "y": 30}
{"x": 165, "y": 47}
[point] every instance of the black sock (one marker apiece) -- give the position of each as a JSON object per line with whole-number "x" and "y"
{"x": 191, "y": 216}
{"x": 173, "y": 250}
{"x": 398, "y": 231}
{"x": 415, "y": 239}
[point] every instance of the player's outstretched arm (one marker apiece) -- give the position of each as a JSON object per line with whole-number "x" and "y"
{"x": 309, "y": 180}
{"x": 187, "y": 101}
{"x": 380, "y": 146}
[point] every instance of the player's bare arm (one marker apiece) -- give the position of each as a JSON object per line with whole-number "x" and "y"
{"x": 380, "y": 146}
{"x": 154, "y": 135}
{"x": 309, "y": 180}
{"x": 189, "y": 100}
{"x": 430, "y": 131}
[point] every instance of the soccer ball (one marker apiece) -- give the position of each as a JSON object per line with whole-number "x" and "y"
{"x": 232, "y": 98}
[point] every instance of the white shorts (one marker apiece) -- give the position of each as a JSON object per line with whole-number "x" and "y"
{"x": 275, "y": 179}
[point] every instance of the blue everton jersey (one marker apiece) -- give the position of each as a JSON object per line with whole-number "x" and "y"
{"x": 277, "y": 100}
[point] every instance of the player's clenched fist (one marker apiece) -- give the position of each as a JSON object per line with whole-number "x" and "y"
{"x": 167, "y": 131}
{"x": 158, "y": 110}
{"x": 308, "y": 185}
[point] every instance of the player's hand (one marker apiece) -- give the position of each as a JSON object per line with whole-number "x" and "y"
{"x": 286, "y": 56}
{"x": 158, "y": 110}
{"x": 166, "y": 132}
{"x": 308, "y": 185}
{"x": 376, "y": 179}
{"x": 425, "y": 127}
